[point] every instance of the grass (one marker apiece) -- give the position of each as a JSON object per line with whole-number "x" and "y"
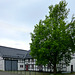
{"x": 37, "y": 73}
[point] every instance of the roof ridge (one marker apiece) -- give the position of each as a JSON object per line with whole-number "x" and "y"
{"x": 13, "y": 48}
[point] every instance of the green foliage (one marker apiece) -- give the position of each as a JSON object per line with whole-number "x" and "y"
{"x": 53, "y": 39}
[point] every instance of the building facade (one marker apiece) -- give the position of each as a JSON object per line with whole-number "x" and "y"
{"x": 12, "y": 59}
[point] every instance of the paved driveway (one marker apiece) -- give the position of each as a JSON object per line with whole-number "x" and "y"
{"x": 7, "y": 73}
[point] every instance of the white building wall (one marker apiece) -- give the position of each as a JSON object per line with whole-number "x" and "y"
{"x": 20, "y": 64}
{"x": 2, "y": 64}
{"x": 71, "y": 63}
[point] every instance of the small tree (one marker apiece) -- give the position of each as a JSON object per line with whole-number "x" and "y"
{"x": 53, "y": 38}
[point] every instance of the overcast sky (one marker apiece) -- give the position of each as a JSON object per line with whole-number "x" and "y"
{"x": 18, "y": 17}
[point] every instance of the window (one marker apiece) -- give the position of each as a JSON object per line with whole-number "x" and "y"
{"x": 32, "y": 60}
{"x": 28, "y": 66}
{"x": 73, "y": 54}
{"x": 32, "y": 66}
{"x": 28, "y": 60}
{"x": 21, "y": 66}
{"x": 49, "y": 66}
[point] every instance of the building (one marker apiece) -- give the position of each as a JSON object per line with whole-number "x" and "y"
{"x": 12, "y": 59}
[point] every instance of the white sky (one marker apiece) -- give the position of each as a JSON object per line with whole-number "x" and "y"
{"x": 18, "y": 17}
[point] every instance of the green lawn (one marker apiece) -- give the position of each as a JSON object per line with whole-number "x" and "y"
{"x": 37, "y": 73}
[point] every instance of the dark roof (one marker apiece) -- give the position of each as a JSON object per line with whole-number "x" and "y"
{"x": 28, "y": 55}
{"x": 12, "y": 52}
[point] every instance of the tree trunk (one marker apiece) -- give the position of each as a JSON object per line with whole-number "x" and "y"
{"x": 54, "y": 69}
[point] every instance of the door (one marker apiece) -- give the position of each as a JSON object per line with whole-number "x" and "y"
{"x": 11, "y": 65}
{"x": 8, "y": 65}
{"x": 71, "y": 68}
{"x": 26, "y": 67}
{"x": 14, "y": 65}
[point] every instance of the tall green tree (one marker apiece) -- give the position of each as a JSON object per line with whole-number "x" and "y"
{"x": 53, "y": 39}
